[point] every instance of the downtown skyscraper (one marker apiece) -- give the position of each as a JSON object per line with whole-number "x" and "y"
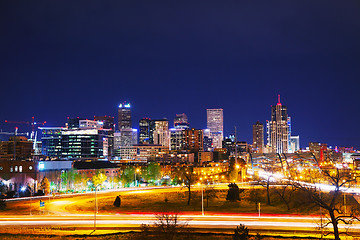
{"x": 278, "y": 129}
{"x": 258, "y": 137}
{"x": 215, "y": 123}
{"x": 126, "y": 136}
{"x": 124, "y": 116}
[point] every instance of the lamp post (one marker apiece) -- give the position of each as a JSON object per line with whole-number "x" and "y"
{"x": 136, "y": 171}
{"x": 95, "y": 210}
{"x": 202, "y": 199}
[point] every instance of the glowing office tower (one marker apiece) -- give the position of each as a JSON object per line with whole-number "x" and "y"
{"x": 258, "y": 137}
{"x": 144, "y": 130}
{"x": 124, "y": 116}
{"x": 278, "y": 129}
{"x": 161, "y": 133}
{"x": 181, "y": 121}
{"x": 215, "y": 122}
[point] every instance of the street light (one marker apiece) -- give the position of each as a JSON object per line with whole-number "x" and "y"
{"x": 136, "y": 171}
{"x": 202, "y": 198}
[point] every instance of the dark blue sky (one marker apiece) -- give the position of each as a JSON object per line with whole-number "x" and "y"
{"x": 82, "y": 58}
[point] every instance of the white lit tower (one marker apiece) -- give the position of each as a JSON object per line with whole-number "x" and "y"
{"x": 278, "y": 129}
{"x": 124, "y": 116}
{"x": 215, "y": 123}
{"x": 125, "y": 137}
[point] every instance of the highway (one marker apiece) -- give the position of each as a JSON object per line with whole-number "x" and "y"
{"x": 290, "y": 224}
{"x": 58, "y": 215}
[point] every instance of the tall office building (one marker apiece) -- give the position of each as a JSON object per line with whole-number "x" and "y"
{"x": 294, "y": 144}
{"x": 126, "y": 136}
{"x": 177, "y": 139}
{"x": 207, "y": 140}
{"x": 278, "y": 129}
{"x": 181, "y": 121}
{"x": 194, "y": 141}
{"x": 215, "y": 122}
{"x": 258, "y": 137}
{"x": 106, "y": 121}
{"x": 82, "y": 142}
{"x": 124, "y": 116}
{"x": 161, "y": 133}
{"x": 144, "y": 131}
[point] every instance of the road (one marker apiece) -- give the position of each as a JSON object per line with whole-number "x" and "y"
{"x": 277, "y": 224}
{"x": 58, "y": 215}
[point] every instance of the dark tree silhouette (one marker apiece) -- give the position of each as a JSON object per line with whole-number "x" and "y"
{"x": 340, "y": 180}
{"x": 117, "y": 202}
{"x": 233, "y": 192}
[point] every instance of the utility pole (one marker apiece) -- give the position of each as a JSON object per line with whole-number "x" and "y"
{"x": 235, "y": 146}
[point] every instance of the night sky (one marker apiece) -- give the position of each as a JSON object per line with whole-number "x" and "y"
{"x": 83, "y": 58}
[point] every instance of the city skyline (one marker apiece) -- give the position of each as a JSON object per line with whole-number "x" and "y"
{"x": 136, "y": 124}
{"x": 235, "y": 56}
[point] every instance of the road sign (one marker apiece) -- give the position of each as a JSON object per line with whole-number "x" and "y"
{"x": 42, "y": 204}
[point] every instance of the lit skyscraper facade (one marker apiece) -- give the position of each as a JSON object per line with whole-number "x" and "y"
{"x": 194, "y": 140}
{"x": 258, "y": 137}
{"x": 278, "y": 129}
{"x": 85, "y": 141}
{"x": 126, "y": 136}
{"x": 107, "y": 121}
{"x": 177, "y": 139}
{"x": 144, "y": 131}
{"x": 207, "y": 140}
{"x": 215, "y": 122}
{"x": 124, "y": 116}
{"x": 181, "y": 121}
{"x": 161, "y": 133}
{"x": 294, "y": 144}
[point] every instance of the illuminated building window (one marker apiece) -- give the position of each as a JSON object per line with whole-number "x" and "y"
{"x": 20, "y": 168}
{"x": 16, "y": 168}
{"x": 11, "y": 169}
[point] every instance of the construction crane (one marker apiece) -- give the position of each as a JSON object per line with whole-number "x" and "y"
{"x": 14, "y": 133}
{"x": 32, "y": 124}
{"x": 33, "y": 135}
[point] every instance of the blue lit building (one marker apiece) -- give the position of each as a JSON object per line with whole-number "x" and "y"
{"x": 63, "y": 143}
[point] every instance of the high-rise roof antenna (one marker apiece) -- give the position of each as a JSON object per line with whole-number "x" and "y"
{"x": 279, "y": 103}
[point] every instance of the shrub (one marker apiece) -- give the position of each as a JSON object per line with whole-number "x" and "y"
{"x": 241, "y": 233}
{"x": 10, "y": 194}
{"x": 39, "y": 193}
{"x": 233, "y": 192}
{"x": 2, "y": 204}
{"x": 117, "y": 202}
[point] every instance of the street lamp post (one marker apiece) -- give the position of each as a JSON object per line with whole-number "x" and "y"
{"x": 202, "y": 200}
{"x": 95, "y": 210}
{"x": 135, "y": 181}
{"x": 321, "y": 224}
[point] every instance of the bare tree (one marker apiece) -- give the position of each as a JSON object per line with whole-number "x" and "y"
{"x": 189, "y": 179}
{"x": 209, "y": 193}
{"x": 166, "y": 226}
{"x": 339, "y": 180}
{"x": 266, "y": 184}
{"x": 285, "y": 192}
